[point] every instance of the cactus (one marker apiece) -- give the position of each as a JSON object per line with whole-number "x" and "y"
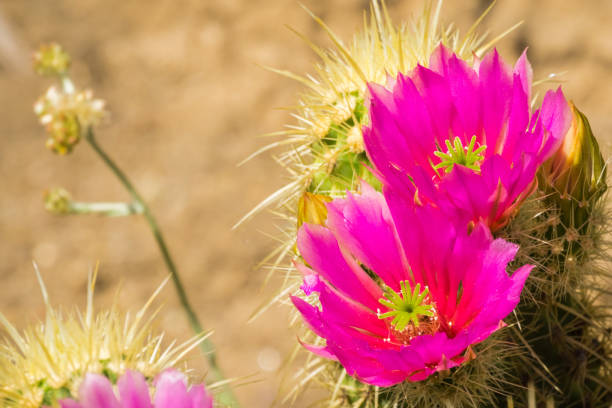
{"x": 556, "y": 347}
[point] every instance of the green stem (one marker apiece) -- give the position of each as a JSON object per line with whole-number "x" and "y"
{"x": 106, "y": 209}
{"x": 226, "y": 396}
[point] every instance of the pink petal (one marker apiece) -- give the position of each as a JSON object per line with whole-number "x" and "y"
{"x": 432, "y": 348}
{"x": 199, "y": 397}
{"x": 383, "y": 138}
{"x": 341, "y": 311}
{"x": 416, "y": 131}
{"x": 320, "y": 250}
{"x": 438, "y": 99}
{"x": 369, "y": 369}
{"x": 312, "y": 283}
{"x": 518, "y": 122}
{"x": 171, "y": 391}
{"x": 523, "y": 69}
{"x": 555, "y": 118}
{"x": 96, "y": 391}
{"x": 439, "y": 60}
{"x": 496, "y": 88}
{"x": 336, "y": 330}
{"x": 321, "y": 351}
{"x": 490, "y": 295}
{"x": 68, "y": 403}
{"x": 464, "y": 85}
{"x": 311, "y": 315}
{"x": 134, "y": 391}
{"x": 363, "y": 226}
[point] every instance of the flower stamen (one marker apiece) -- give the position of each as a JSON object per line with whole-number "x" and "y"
{"x": 457, "y": 154}
{"x": 407, "y": 307}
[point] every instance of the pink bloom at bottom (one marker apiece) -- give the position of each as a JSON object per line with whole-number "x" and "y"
{"x": 403, "y": 291}
{"x": 171, "y": 391}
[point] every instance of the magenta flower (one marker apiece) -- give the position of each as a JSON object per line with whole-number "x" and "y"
{"x": 403, "y": 294}
{"x": 171, "y": 391}
{"x": 464, "y": 137}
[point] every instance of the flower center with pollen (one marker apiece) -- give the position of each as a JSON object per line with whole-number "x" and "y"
{"x": 458, "y": 154}
{"x": 410, "y": 311}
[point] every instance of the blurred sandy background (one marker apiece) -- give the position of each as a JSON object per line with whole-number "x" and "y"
{"x": 187, "y": 102}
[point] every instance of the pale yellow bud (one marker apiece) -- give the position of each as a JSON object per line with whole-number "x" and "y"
{"x": 57, "y": 201}
{"x": 66, "y": 115}
{"x": 354, "y": 140}
{"x": 343, "y": 109}
{"x": 312, "y": 209}
{"x": 51, "y": 60}
{"x": 321, "y": 127}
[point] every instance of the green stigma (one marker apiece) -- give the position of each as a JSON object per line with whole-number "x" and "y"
{"x": 405, "y": 307}
{"x": 457, "y": 154}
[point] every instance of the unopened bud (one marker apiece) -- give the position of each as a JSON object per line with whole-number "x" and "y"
{"x": 64, "y": 133}
{"x": 312, "y": 209}
{"x": 51, "y": 60}
{"x": 574, "y": 178}
{"x": 577, "y": 170}
{"x": 343, "y": 108}
{"x": 321, "y": 127}
{"x": 354, "y": 140}
{"x": 57, "y": 201}
{"x": 66, "y": 115}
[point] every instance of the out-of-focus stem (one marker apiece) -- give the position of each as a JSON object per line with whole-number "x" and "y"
{"x": 226, "y": 396}
{"x": 106, "y": 209}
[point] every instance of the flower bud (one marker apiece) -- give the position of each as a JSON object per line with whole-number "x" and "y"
{"x": 574, "y": 178}
{"x": 577, "y": 170}
{"x": 57, "y": 201}
{"x": 354, "y": 140}
{"x": 312, "y": 209}
{"x": 64, "y": 133}
{"x": 51, "y": 60}
{"x": 66, "y": 115}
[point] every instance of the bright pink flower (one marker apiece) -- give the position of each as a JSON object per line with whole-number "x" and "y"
{"x": 171, "y": 391}
{"x": 367, "y": 254}
{"x": 488, "y": 105}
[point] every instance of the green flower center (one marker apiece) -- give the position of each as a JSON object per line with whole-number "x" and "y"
{"x": 458, "y": 154}
{"x": 406, "y": 307}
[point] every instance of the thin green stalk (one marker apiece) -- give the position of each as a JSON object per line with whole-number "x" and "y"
{"x": 106, "y": 209}
{"x": 226, "y": 396}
